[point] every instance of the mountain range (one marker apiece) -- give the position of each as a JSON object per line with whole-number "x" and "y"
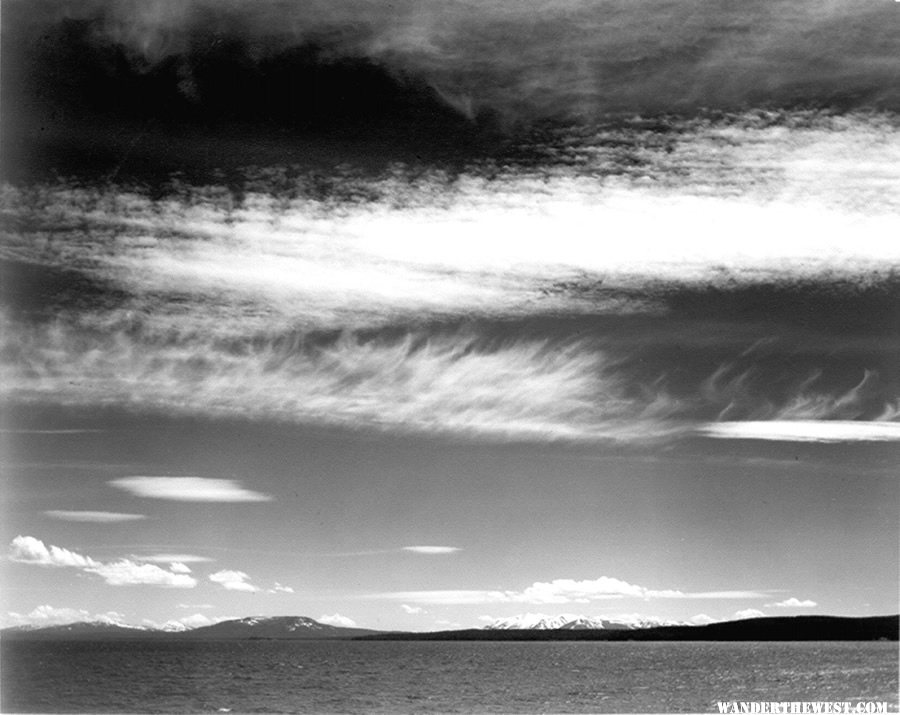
{"x": 535, "y": 621}
{"x": 255, "y": 627}
{"x": 527, "y": 627}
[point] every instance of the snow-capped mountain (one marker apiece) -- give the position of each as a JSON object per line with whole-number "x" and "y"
{"x": 538, "y": 621}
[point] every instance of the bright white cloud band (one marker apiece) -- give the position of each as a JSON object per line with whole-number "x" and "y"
{"x": 561, "y": 591}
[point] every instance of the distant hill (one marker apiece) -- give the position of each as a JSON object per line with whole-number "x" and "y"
{"x": 277, "y": 627}
{"x": 259, "y": 627}
{"x": 788, "y": 628}
{"x": 82, "y": 631}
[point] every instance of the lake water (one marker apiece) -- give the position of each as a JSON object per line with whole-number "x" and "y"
{"x": 386, "y": 676}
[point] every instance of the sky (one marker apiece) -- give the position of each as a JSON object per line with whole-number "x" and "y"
{"x": 420, "y": 317}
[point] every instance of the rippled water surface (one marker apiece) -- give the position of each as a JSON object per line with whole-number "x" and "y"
{"x": 333, "y": 676}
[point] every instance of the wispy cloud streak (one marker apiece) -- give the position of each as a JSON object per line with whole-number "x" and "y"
{"x": 452, "y": 383}
{"x": 94, "y": 517}
{"x": 805, "y": 431}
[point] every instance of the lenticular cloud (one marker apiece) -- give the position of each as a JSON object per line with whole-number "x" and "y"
{"x": 195, "y": 489}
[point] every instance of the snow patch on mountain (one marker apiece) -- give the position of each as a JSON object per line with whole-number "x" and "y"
{"x": 289, "y": 623}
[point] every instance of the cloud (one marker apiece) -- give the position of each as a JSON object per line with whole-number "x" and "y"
{"x": 29, "y": 550}
{"x": 196, "y": 620}
{"x": 561, "y": 591}
{"x": 337, "y": 620}
{"x": 749, "y": 613}
{"x": 277, "y": 307}
{"x": 793, "y": 603}
{"x": 193, "y": 489}
{"x": 701, "y": 619}
{"x": 95, "y": 517}
{"x": 173, "y": 558}
{"x": 412, "y": 610}
{"x": 129, "y": 573}
{"x": 454, "y": 383}
{"x": 198, "y": 605}
{"x": 805, "y": 431}
{"x": 489, "y": 56}
{"x": 178, "y": 567}
{"x": 233, "y": 581}
{"x": 432, "y": 550}
{"x": 49, "y": 431}
{"x": 47, "y": 615}
{"x": 278, "y": 588}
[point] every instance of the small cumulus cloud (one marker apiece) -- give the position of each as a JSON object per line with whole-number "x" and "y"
{"x": 412, "y": 610}
{"x": 94, "y": 517}
{"x": 178, "y": 567}
{"x": 749, "y": 613}
{"x": 192, "y": 489}
{"x": 197, "y": 620}
{"x": 432, "y": 550}
{"x": 278, "y": 588}
{"x": 794, "y": 603}
{"x": 202, "y": 606}
{"x": 337, "y": 620}
{"x": 186, "y": 623}
{"x": 128, "y": 573}
{"x": 701, "y": 619}
{"x": 233, "y": 581}
{"x": 29, "y": 550}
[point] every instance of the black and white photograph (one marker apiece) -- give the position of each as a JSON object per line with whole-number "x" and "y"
{"x": 449, "y": 356}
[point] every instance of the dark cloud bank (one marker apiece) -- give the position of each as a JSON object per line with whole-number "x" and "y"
{"x": 131, "y": 86}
